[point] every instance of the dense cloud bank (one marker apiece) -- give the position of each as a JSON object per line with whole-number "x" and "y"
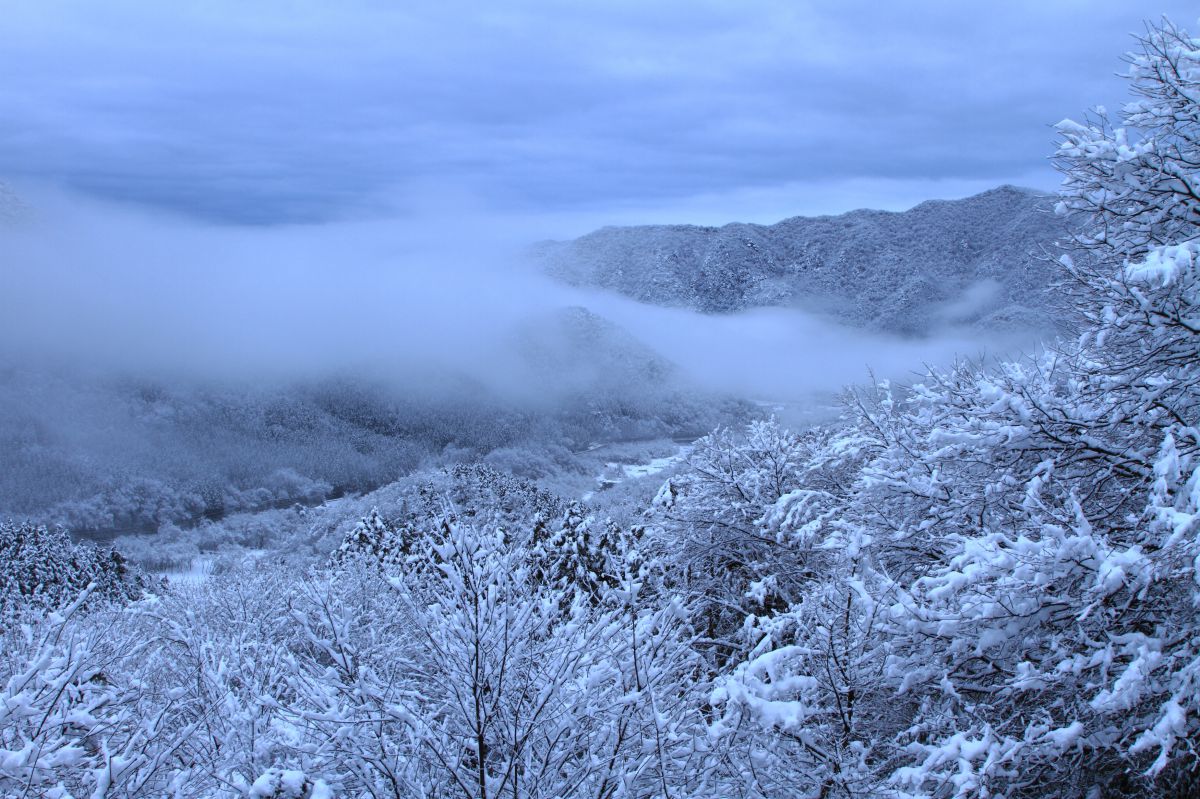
{"x": 155, "y": 370}
{"x": 297, "y": 111}
{"x": 102, "y": 289}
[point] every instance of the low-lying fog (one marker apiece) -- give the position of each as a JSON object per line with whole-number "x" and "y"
{"x": 104, "y": 288}
{"x": 157, "y": 371}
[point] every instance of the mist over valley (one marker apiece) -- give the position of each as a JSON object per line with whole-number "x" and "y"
{"x": 192, "y": 369}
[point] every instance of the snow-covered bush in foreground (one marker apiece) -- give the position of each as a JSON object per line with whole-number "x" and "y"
{"x": 75, "y": 717}
{"x": 462, "y": 670}
{"x": 288, "y": 784}
{"x": 745, "y": 525}
{"x": 501, "y": 684}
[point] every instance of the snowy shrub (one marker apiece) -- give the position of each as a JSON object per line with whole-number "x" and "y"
{"x": 41, "y": 568}
{"x": 76, "y": 718}
{"x": 288, "y": 784}
{"x": 745, "y": 525}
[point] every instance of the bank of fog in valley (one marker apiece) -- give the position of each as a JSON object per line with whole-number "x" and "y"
{"x": 184, "y": 378}
{"x": 194, "y": 371}
{"x": 981, "y": 584}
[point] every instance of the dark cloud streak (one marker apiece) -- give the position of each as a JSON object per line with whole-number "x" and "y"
{"x": 300, "y": 111}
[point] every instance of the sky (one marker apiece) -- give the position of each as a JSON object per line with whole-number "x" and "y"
{"x": 572, "y": 113}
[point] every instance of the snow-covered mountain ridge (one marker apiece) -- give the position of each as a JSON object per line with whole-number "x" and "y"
{"x": 985, "y": 260}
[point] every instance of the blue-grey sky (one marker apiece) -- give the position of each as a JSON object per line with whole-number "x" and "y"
{"x": 609, "y": 110}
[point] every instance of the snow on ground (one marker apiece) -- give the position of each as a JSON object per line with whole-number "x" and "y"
{"x": 614, "y": 472}
{"x": 202, "y": 567}
{"x": 198, "y": 571}
{"x": 635, "y": 470}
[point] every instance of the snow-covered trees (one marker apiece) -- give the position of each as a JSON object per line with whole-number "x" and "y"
{"x": 41, "y": 569}
{"x": 1136, "y": 178}
{"x": 530, "y": 689}
{"x": 1064, "y": 608}
{"x": 80, "y": 715}
{"x": 474, "y": 663}
{"x": 1011, "y": 603}
{"x": 753, "y": 531}
{"x": 510, "y": 661}
{"x": 741, "y": 527}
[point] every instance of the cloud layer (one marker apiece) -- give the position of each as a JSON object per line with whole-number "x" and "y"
{"x": 116, "y": 291}
{"x": 300, "y": 110}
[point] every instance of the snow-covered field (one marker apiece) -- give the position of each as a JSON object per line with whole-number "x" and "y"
{"x": 197, "y": 572}
{"x": 203, "y": 566}
{"x": 615, "y": 472}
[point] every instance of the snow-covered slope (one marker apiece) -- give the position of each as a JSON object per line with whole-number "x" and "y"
{"x": 980, "y": 260}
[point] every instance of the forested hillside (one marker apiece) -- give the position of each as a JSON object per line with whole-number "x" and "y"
{"x": 109, "y": 455}
{"x": 982, "y": 260}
